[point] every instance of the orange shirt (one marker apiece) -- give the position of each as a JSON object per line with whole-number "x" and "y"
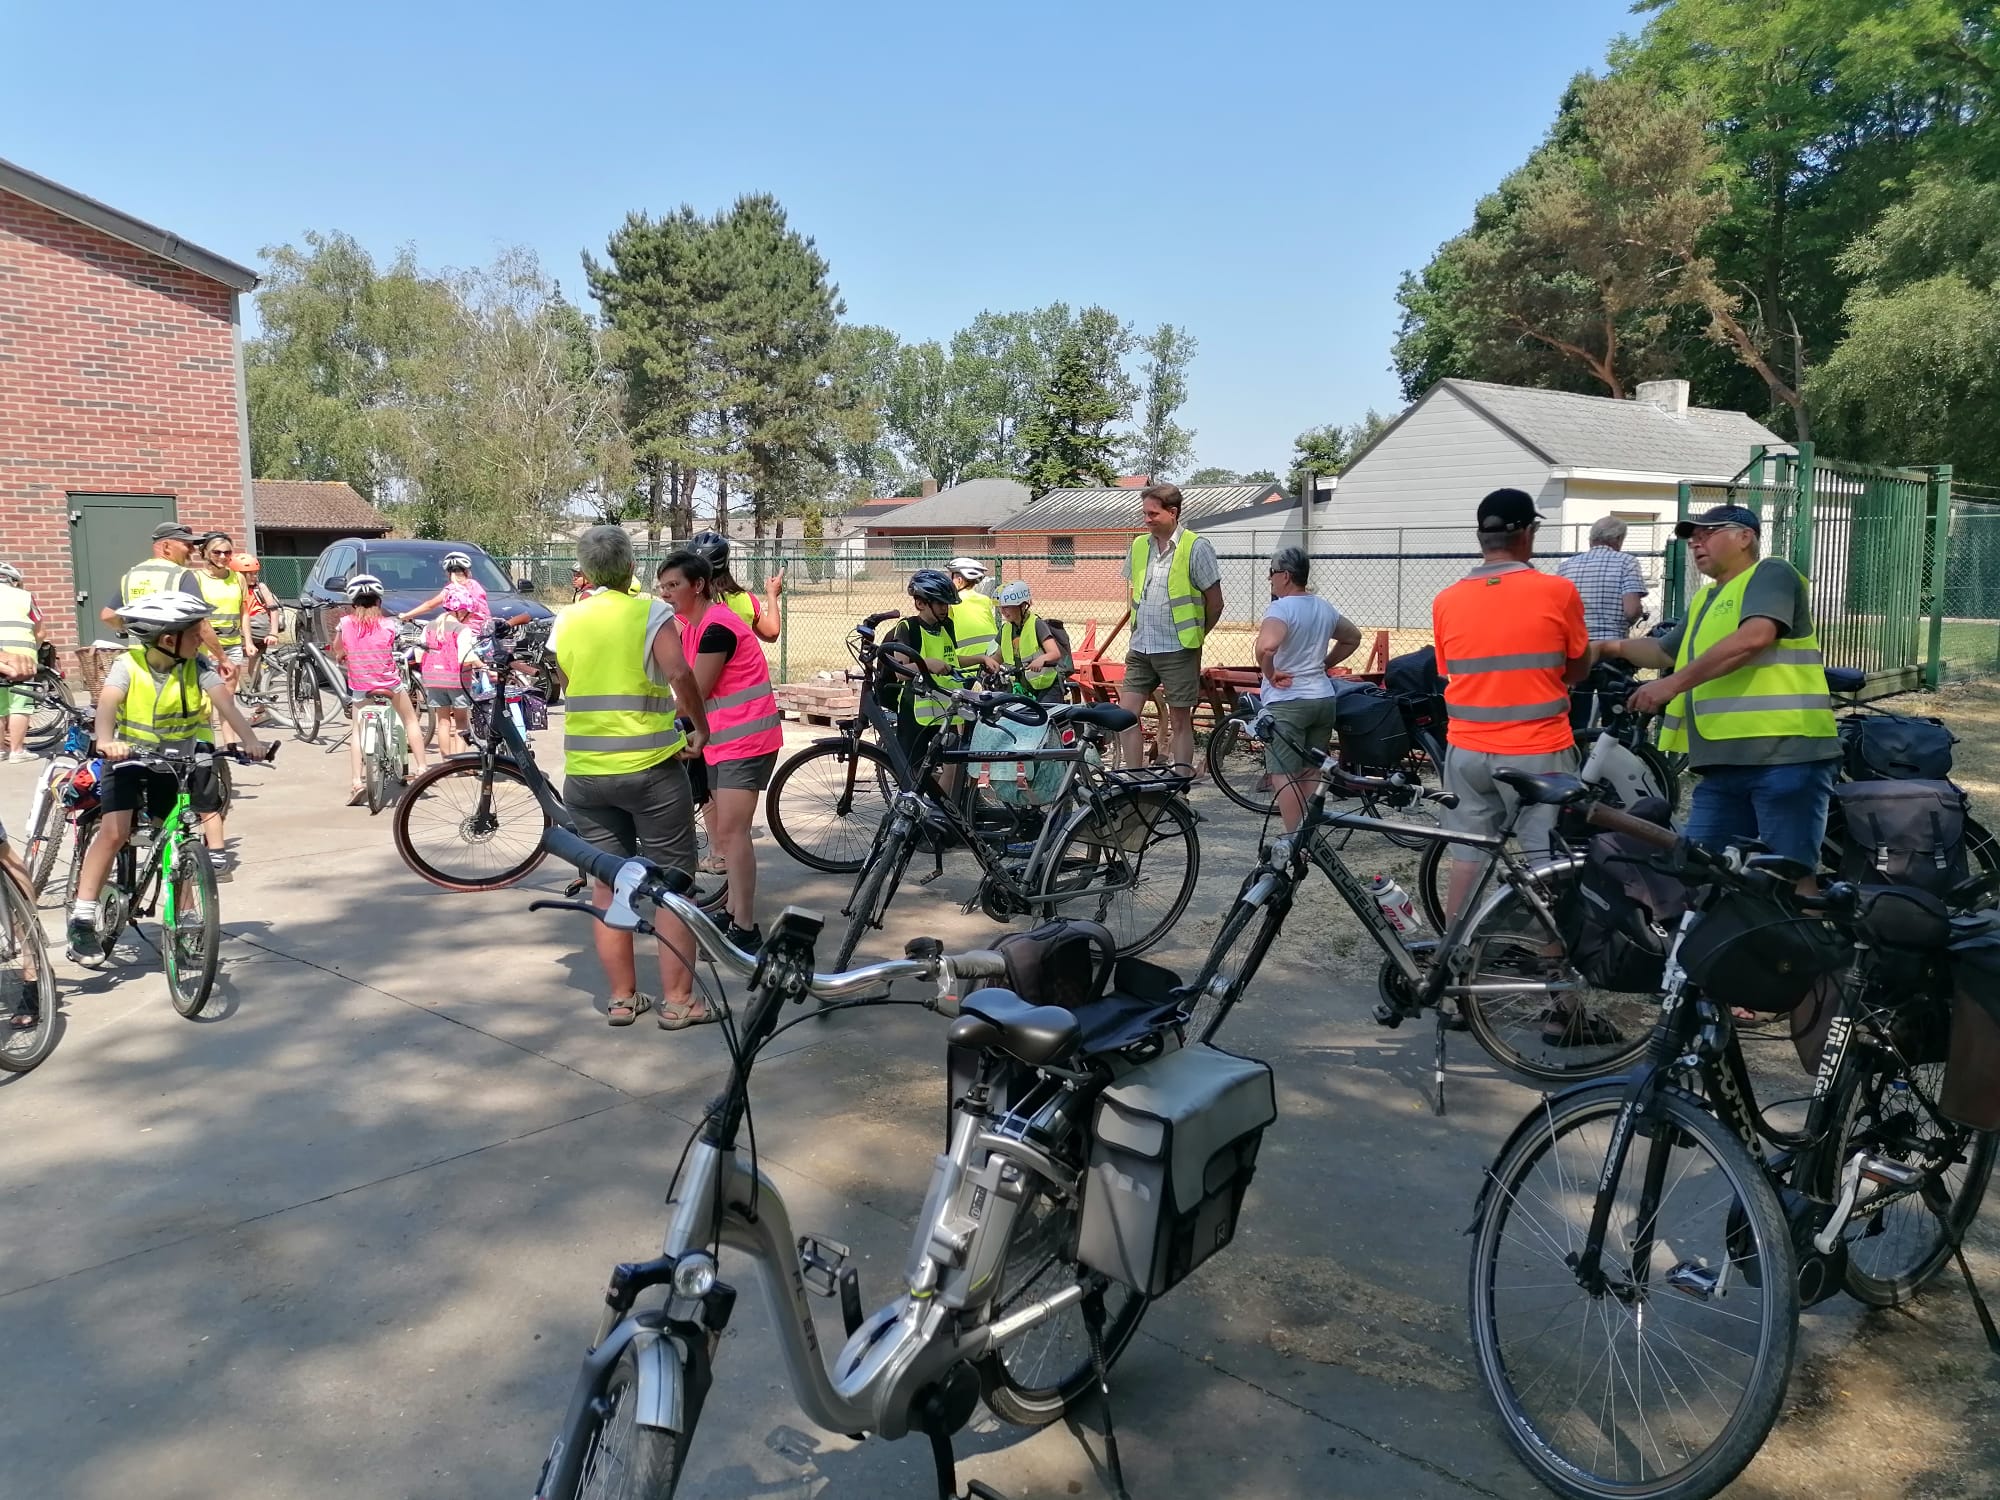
{"x": 1504, "y": 634}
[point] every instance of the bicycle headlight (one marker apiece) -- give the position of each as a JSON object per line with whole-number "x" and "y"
{"x": 694, "y": 1275}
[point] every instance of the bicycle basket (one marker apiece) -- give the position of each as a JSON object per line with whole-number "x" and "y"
{"x": 1752, "y": 951}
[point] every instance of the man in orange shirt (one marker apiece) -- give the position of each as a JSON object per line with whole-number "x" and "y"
{"x": 1511, "y": 640}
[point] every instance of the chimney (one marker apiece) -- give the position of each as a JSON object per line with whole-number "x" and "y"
{"x": 1671, "y": 396}
{"x": 1133, "y": 481}
{"x": 927, "y": 489}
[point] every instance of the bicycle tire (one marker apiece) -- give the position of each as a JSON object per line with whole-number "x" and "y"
{"x": 878, "y": 884}
{"x": 1662, "y": 772}
{"x": 1749, "y": 1234}
{"x": 225, "y": 782}
{"x": 1512, "y": 942}
{"x": 1097, "y": 841}
{"x": 1236, "y": 765}
{"x": 191, "y": 971}
{"x": 49, "y": 721}
{"x": 1232, "y": 962}
{"x": 375, "y": 774}
{"x": 25, "y": 947}
{"x": 44, "y": 845}
{"x": 303, "y": 688}
{"x": 437, "y": 796}
{"x": 1871, "y": 1276}
{"x": 816, "y": 832}
{"x": 622, "y": 1460}
{"x": 1034, "y": 1265}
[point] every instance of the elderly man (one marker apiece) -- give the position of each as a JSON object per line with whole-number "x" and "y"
{"x": 1176, "y": 592}
{"x": 1613, "y": 589}
{"x": 1745, "y": 693}
{"x": 626, "y": 677}
{"x": 1300, "y": 640}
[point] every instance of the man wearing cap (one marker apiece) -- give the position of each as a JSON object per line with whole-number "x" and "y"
{"x": 1745, "y": 694}
{"x": 1510, "y": 640}
{"x": 167, "y": 568}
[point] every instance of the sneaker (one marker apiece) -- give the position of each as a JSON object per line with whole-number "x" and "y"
{"x": 749, "y": 939}
{"x": 222, "y": 864}
{"x": 85, "y": 946}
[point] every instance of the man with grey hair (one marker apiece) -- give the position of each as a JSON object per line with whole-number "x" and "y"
{"x": 627, "y": 680}
{"x": 1613, "y": 589}
{"x": 1299, "y": 642}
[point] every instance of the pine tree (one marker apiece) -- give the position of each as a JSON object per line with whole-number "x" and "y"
{"x": 1068, "y": 441}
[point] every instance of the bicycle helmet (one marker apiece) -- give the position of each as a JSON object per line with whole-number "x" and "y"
{"x": 10, "y": 574}
{"x": 971, "y": 569}
{"x": 457, "y": 596}
{"x": 163, "y": 613}
{"x": 457, "y": 562}
{"x": 363, "y": 584}
{"x": 712, "y": 547}
{"x": 934, "y": 586}
{"x": 1015, "y": 592}
{"x": 246, "y": 562}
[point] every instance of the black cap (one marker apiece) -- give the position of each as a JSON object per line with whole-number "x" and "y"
{"x": 1721, "y": 515}
{"x": 1508, "y": 511}
{"x": 172, "y": 531}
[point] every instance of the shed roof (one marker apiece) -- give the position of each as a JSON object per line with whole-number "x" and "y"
{"x": 974, "y": 502}
{"x": 1118, "y": 509}
{"x": 329, "y": 505}
{"x": 71, "y": 204}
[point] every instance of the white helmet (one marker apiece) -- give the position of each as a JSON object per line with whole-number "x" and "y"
{"x": 971, "y": 569}
{"x": 10, "y": 574}
{"x": 460, "y": 560}
{"x": 163, "y": 613}
{"x": 363, "y": 583}
{"x": 1016, "y": 592}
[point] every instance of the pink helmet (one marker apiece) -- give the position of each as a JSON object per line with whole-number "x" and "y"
{"x": 458, "y": 597}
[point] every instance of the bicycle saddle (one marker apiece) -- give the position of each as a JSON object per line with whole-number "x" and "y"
{"x": 1845, "y": 679}
{"x": 1000, "y": 1020}
{"x": 1550, "y": 789}
{"x": 1106, "y": 716}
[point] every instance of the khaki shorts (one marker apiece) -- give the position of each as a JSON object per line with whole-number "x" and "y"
{"x": 1484, "y": 805}
{"x": 1175, "y": 673}
{"x": 649, "y": 812}
{"x": 1307, "y": 721}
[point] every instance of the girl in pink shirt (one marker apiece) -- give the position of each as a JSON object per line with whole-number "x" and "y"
{"x": 365, "y": 642}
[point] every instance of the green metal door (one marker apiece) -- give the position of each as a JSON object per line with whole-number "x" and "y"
{"x": 107, "y": 535}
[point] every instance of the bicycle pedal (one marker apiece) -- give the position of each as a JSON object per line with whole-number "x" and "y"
{"x": 1387, "y": 1015}
{"x": 850, "y": 1300}
{"x": 820, "y": 1262}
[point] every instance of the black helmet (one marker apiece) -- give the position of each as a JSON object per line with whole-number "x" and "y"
{"x": 934, "y": 586}
{"x": 712, "y": 547}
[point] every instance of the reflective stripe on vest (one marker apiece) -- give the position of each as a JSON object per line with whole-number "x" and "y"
{"x": 17, "y": 624}
{"x": 1021, "y": 643}
{"x": 743, "y": 718}
{"x": 975, "y": 620}
{"x": 1514, "y": 677}
{"x": 149, "y": 577}
{"x": 934, "y": 643}
{"x": 616, "y": 720}
{"x": 149, "y": 716}
{"x": 226, "y": 596}
{"x": 1780, "y": 692}
{"x": 1183, "y": 598}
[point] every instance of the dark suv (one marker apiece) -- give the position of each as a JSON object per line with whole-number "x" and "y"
{"x": 411, "y": 572}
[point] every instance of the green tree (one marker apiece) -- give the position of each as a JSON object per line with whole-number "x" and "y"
{"x": 1068, "y": 439}
{"x": 1214, "y": 476}
{"x": 934, "y": 410}
{"x": 1160, "y": 445}
{"x": 1325, "y": 452}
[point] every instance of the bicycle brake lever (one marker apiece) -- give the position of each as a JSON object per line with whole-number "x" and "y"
{"x": 641, "y": 925}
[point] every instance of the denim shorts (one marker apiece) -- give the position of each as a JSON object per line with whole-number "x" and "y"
{"x": 1783, "y": 806}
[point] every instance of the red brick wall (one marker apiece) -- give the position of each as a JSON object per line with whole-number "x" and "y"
{"x": 117, "y": 376}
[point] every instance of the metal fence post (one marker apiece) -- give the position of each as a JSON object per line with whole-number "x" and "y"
{"x": 1674, "y": 570}
{"x": 1802, "y": 509}
{"x": 787, "y": 565}
{"x": 1934, "y": 575}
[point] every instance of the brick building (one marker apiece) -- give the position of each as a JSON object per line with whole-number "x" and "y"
{"x": 121, "y": 393}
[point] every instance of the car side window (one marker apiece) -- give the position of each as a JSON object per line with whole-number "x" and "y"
{"x": 338, "y": 563}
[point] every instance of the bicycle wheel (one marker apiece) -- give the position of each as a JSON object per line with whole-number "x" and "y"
{"x": 874, "y": 891}
{"x": 1034, "y": 1379}
{"x": 49, "y": 719}
{"x": 1665, "y": 1383}
{"x": 1895, "y": 1245}
{"x": 466, "y": 827}
{"x": 1661, "y": 773}
{"x": 1239, "y": 949}
{"x": 27, "y": 984}
{"x": 1561, "y": 1035}
{"x": 306, "y": 696}
{"x": 1236, "y": 762}
{"x": 1434, "y": 883}
{"x": 624, "y": 1461}
{"x": 1131, "y": 863}
{"x": 225, "y": 782}
{"x": 711, "y": 889}
{"x": 45, "y": 842}
{"x": 375, "y": 768}
{"x": 191, "y": 937}
{"x": 814, "y": 815}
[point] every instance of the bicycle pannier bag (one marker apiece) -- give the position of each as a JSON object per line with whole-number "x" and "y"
{"x": 1971, "y": 1092}
{"x": 1903, "y": 833}
{"x": 1173, "y": 1152}
{"x": 1755, "y": 952}
{"x": 1895, "y": 747}
{"x": 1414, "y": 674}
{"x": 1019, "y": 783}
{"x": 1627, "y": 910}
{"x": 1372, "y": 734}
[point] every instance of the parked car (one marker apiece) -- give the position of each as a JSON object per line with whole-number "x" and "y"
{"x": 411, "y": 572}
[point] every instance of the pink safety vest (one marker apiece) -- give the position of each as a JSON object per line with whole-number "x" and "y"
{"x": 371, "y": 654}
{"x": 742, "y": 714}
{"x": 443, "y": 663}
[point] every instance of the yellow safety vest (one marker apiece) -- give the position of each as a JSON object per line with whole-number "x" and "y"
{"x": 1019, "y": 645}
{"x": 152, "y": 576}
{"x": 1780, "y": 691}
{"x": 977, "y": 620}
{"x": 936, "y": 644}
{"x": 17, "y": 623}
{"x": 616, "y": 718}
{"x": 1183, "y": 598}
{"x": 227, "y": 597}
{"x": 742, "y": 606}
{"x": 151, "y": 716}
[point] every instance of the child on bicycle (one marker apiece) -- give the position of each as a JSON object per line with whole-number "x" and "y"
{"x": 365, "y": 643}
{"x": 448, "y": 641}
{"x": 155, "y": 697}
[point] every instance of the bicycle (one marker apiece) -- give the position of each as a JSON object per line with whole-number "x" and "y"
{"x": 51, "y": 694}
{"x": 263, "y": 691}
{"x": 27, "y": 981}
{"x": 1500, "y": 963}
{"x": 49, "y": 809}
{"x": 175, "y": 878}
{"x": 315, "y": 691}
{"x": 385, "y": 747}
{"x": 1097, "y": 846}
{"x": 1634, "y": 1320}
{"x": 1001, "y": 1298}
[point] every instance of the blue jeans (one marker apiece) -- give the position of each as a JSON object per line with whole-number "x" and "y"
{"x": 1785, "y": 806}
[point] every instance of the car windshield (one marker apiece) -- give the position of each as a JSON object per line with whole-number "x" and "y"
{"x": 409, "y": 568}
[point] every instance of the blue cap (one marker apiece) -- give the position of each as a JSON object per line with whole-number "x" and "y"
{"x": 1721, "y": 515}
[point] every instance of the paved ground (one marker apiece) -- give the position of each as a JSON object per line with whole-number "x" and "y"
{"x": 347, "y": 1234}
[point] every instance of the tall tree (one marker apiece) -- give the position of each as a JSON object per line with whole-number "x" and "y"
{"x": 1161, "y": 446}
{"x": 1325, "y": 452}
{"x": 1068, "y": 439}
{"x": 935, "y": 411}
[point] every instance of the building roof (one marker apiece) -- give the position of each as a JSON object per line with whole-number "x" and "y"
{"x": 71, "y": 204}
{"x": 1118, "y": 509}
{"x": 975, "y": 502}
{"x": 1571, "y": 431}
{"x": 315, "y": 505}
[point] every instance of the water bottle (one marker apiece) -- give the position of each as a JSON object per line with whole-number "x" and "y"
{"x": 1396, "y": 907}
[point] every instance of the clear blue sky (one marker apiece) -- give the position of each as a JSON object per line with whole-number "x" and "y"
{"x": 1260, "y": 173}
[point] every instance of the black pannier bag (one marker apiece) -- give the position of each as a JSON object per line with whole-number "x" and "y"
{"x": 1173, "y": 1152}
{"x": 1626, "y": 910}
{"x": 1971, "y": 1092}
{"x": 1755, "y": 952}
{"x": 1902, "y": 833}
{"x": 1373, "y": 736}
{"x": 1895, "y": 747}
{"x": 1414, "y": 674}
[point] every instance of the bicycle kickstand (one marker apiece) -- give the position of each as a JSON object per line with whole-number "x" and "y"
{"x": 1437, "y": 1104}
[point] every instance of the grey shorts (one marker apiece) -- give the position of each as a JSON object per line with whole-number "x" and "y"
{"x": 1305, "y": 721}
{"x": 1175, "y": 673}
{"x": 448, "y": 697}
{"x": 749, "y": 773}
{"x": 649, "y": 812}
{"x": 1484, "y": 805}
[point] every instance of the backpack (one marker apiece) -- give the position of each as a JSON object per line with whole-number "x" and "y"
{"x": 1895, "y": 747}
{"x": 1373, "y": 736}
{"x": 1902, "y": 833}
{"x": 1625, "y": 910}
{"x": 1066, "y": 663}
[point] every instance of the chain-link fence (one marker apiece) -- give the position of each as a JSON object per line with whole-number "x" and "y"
{"x": 1969, "y": 623}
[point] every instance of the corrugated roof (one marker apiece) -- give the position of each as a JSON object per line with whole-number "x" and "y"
{"x": 1118, "y": 509}
{"x": 1601, "y": 432}
{"x": 121, "y": 226}
{"x": 315, "y": 505}
{"x": 976, "y": 502}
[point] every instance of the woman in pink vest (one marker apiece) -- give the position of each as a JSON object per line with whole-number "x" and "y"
{"x": 744, "y": 736}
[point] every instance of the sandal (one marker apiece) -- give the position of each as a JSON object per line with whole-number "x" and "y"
{"x": 680, "y": 1017}
{"x": 713, "y": 865}
{"x": 357, "y": 794}
{"x": 625, "y": 1012}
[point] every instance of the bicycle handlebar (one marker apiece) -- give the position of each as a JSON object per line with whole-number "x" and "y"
{"x": 171, "y": 759}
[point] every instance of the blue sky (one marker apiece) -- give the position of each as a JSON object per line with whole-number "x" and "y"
{"x": 1259, "y": 173}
